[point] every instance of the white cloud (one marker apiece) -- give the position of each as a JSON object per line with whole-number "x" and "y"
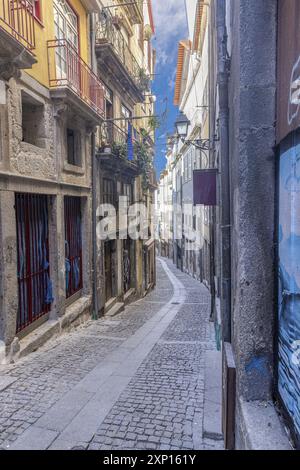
{"x": 171, "y": 26}
{"x": 171, "y": 83}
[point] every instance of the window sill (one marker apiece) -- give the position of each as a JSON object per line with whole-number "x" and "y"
{"x": 28, "y": 146}
{"x": 77, "y": 170}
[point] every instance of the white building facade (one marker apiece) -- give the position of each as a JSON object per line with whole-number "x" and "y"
{"x": 191, "y": 97}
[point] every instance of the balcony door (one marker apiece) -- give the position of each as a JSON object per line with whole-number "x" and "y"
{"x": 67, "y": 36}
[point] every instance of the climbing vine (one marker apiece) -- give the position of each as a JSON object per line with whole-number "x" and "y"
{"x": 144, "y": 158}
{"x": 119, "y": 149}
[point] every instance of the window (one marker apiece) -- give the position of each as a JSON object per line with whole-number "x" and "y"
{"x": 74, "y": 147}
{"x": 126, "y": 114}
{"x": 128, "y": 191}
{"x": 33, "y": 122}
{"x": 66, "y": 23}
{"x": 66, "y": 27}
{"x": 34, "y": 284}
{"x": 194, "y": 222}
{"x": 206, "y": 215}
{"x": 108, "y": 192}
{"x": 108, "y": 130}
{"x": 73, "y": 245}
{"x": 36, "y": 5}
{"x": 198, "y": 159}
{"x": 189, "y": 165}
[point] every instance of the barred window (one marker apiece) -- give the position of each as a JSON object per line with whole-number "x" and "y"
{"x": 34, "y": 284}
{"x": 73, "y": 245}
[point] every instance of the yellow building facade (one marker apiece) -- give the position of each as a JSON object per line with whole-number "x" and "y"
{"x": 68, "y": 91}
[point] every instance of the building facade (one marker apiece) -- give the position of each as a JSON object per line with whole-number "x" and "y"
{"x": 191, "y": 97}
{"x": 253, "y": 274}
{"x": 164, "y": 207}
{"x": 126, "y": 62}
{"x": 254, "y": 232}
{"x": 56, "y": 99}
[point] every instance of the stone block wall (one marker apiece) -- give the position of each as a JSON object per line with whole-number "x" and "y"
{"x": 38, "y": 166}
{"x": 252, "y": 98}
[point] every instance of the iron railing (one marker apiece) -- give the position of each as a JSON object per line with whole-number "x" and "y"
{"x": 73, "y": 245}
{"x": 34, "y": 285}
{"x": 17, "y": 18}
{"x": 68, "y": 69}
{"x": 118, "y": 140}
{"x": 107, "y": 33}
{"x": 139, "y": 6}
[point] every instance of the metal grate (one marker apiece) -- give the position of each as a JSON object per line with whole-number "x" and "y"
{"x": 73, "y": 245}
{"x": 34, "y": 285}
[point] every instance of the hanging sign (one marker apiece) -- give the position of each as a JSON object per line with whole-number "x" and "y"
{"x": 205, "y": 187}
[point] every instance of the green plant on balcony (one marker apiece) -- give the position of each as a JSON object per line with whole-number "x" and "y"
{"x": 154, "y": 123}
{"x": 144, "y": 159}
{"x": 143, "y": 80}
{"x": 119, "y": 149}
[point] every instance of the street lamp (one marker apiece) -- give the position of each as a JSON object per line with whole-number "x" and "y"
{"x": 182, "y": 125}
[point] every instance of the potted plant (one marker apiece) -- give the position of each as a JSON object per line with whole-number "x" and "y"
{"x": 143, "y": 80}
{"x": 144, "y": 160}
{"x": 119, "y": 149}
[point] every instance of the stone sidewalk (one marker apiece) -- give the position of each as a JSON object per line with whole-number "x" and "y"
{"x": 134, "y": 381}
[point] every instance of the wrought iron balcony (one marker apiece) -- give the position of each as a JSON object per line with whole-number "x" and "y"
{"x": 17, "y": 33}
{"x": 135, "y": 10}
{"x": 69, "y": 72}
{"x": 115, "y": 54}
{"x": 116, "y": 142}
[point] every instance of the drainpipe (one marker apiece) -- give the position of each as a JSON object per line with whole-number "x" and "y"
{"x": 222, "y": 82}
{"x": 211, "y": 133}
{"x": 94, "y": 184}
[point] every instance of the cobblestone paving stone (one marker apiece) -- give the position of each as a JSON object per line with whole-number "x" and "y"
{"x": 162, "y": 407}
{"x": 44, "y": 377}
{"x": 47, "y": 375}
{"x": 158, "y": 408}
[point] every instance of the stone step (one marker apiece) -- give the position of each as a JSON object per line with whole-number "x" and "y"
{"x": 115, "y": 309}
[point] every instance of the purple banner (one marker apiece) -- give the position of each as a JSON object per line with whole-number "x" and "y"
{"x": 205, "y": 187}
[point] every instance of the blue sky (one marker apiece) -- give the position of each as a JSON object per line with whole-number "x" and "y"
{"x": 171, "y": 26}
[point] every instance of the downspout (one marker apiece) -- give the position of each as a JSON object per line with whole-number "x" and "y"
{"x": 211, "y": 135}
{"x": 222, "y": 81}
{"x": 95, "y": 313}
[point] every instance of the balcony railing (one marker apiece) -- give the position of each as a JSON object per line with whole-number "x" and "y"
{"x": 135, "y": 10}
{"x": 116, "y": 141}
{"x": 17, "y": 19}
{"x": 68, "y": 69}
{"x": 107, "y": 33}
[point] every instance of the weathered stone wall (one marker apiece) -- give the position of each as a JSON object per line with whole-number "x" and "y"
{"x": 8, "y": 268}
{"x": 26, "y": 159}
{"x": 252, "y": 93}
{"x": 41, "y": 169}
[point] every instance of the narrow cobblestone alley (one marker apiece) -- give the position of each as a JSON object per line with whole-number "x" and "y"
{"x": 133, "y": 381}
